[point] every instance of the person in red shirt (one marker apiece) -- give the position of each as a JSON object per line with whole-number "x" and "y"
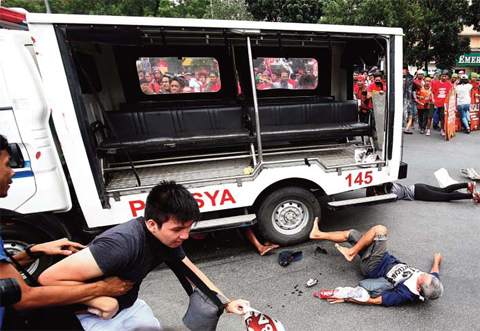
{"x": 214, "y": 85}
{"x": 423, "y": 98}
{"x": 440, "y": 91}
{"x": 361, "y": 96}
{"x": 376, "y": 87}
{"x": 420, "y": 80}
{"x": 266, "y": 81}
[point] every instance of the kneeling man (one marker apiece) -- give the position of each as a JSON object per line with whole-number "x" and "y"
{"x": 409, "y": 284}
{"x": 130, "y": 251}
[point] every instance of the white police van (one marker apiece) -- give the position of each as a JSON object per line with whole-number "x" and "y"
{"x": 256, "y": 119}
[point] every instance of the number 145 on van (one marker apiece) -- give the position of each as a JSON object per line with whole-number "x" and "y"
{"x": 360, "y": 179}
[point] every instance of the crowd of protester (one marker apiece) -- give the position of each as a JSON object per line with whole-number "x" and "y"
{"x": 427, "y": 99}
{"x": 156, "y": 80}
{"x": 283, "y": 79}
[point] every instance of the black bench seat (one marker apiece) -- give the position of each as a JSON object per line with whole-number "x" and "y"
{"x": 177, "y": 129}
{"x": 310, "y": 121}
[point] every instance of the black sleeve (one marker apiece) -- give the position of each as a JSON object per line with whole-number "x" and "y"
{"x": 179, "y": 252}
{"x": 113, "y": 253}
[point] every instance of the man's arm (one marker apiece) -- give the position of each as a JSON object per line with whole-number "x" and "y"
{"x": 57, "y": 247}
{"x": 46, "y": 296}
{"x": 372, "y": 301}
{"x": 235, "y": 306}
{"x": 76, "y": 269}
{"x": 437, "y": 259}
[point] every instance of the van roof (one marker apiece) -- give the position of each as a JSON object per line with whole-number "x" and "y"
{"x": 33, "y": 18}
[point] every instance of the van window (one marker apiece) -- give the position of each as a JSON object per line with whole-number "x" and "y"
{"x": 286, "y": 73}
{"x": 177, "y": 75}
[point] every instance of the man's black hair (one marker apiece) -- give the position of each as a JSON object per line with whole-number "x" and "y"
{"x": 171, "y": 200}
{"x": 3, "y": 143}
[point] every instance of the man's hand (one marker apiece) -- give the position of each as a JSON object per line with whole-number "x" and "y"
{"x": 236, "y": 306}
{"x": 114, "y": 286}
{"x": 333, "y": 300}
{"x": 437, "y": 258}
{"x": 57, "y": 247}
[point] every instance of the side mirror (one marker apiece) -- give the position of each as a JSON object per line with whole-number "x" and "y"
{"x": 16, "y": 156}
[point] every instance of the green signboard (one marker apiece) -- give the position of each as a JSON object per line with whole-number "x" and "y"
{"x": 469, "y": 60}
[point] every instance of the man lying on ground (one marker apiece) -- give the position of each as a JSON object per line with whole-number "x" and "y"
{"x": 424, "y": 192}
{"x": 409, "y": 284}
{"x": 130, "y": 251}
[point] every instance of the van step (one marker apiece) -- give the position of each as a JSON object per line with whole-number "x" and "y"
{"x": 224, "y": 223}
{"x": 343, "y": 204}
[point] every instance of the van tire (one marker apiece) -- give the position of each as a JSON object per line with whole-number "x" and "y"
{"x": 17, "y": 236}
{"x": 286, "y": 216}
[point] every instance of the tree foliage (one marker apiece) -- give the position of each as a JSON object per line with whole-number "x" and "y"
{"x": 300, "y": 11}
{"x": 431, "y": 27}
{"x": 91, "y": 7}
{"x": 228, "y": 10}
{"x": 473, "y": 17}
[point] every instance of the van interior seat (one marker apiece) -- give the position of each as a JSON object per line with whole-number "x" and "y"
{"x": 310, "y": 121}
{"x": 177, "y": 129}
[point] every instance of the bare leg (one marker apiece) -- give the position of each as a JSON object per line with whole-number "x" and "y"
{"x": 409, "y": 123}
{"x": 364, "y": 242}
{"x": 336, "y": 236}
{"x": 262, "y": 249}
{"x": 429, "y": 123}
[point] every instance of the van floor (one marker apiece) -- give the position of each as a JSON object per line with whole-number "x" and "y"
{"x": 224, "y": 169}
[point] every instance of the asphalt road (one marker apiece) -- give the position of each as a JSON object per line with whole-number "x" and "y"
{"x": 416, "y": 231}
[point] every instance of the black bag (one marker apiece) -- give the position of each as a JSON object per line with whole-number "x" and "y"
{"x": 205, "y": 307}
{"x": 53, "y": 318}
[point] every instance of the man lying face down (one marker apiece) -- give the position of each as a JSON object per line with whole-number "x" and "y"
{"x": 130, "y": 251}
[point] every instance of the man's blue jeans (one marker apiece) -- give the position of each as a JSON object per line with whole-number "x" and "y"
{"x": 463, "y": 110}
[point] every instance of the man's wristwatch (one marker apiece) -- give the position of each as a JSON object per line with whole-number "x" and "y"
{"x": 32, "y": 255}
{"x": 346, "y": 300}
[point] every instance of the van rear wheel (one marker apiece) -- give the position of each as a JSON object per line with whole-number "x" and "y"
{"x": 286, "y": 216}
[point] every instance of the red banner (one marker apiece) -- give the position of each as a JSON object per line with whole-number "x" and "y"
{"x": 474, "y": 118}
{"x": 450, "y": 110}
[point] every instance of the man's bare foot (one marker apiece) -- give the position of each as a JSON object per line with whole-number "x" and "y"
{"x": 267, "y": 248}
{"x": 315, "y": 233}
{"x": 345, "y": 252}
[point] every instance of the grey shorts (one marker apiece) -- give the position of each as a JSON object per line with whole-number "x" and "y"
{"x": 371, "y": 256}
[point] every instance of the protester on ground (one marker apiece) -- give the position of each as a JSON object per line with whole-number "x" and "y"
{"x": 440, "y": 91}
{"x": 47, "y": 296}
{"x": 262, "y": 249}
{"x": 133, "y": 249}
{"x": 409, "y": 284}
{"x": 423, "y": 98}
{"x": 423, "y": 192}
{"x": 464, "y": 90}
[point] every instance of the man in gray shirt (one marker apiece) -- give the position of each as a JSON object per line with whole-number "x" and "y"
{"x": 131, "y": 250}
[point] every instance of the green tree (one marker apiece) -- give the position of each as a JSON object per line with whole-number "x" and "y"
{"x": 183, "y": 8}
{"x": 228, "y": 10}
{"x": 300, "y": 11}
{"x": 473, "y": 15}
{"x": 431, "y": 27}
{"x": 91, "y": 7}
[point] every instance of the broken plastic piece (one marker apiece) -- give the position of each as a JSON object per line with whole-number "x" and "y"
{"x": 312, "y": 281}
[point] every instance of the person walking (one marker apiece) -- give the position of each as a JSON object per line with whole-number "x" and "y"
{"x": 424, "y": 97}
{"x": 464, "y": 89}
{"x": 440, "y": 91}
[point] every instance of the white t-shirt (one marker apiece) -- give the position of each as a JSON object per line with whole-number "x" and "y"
{"x": 463, "y": 94}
